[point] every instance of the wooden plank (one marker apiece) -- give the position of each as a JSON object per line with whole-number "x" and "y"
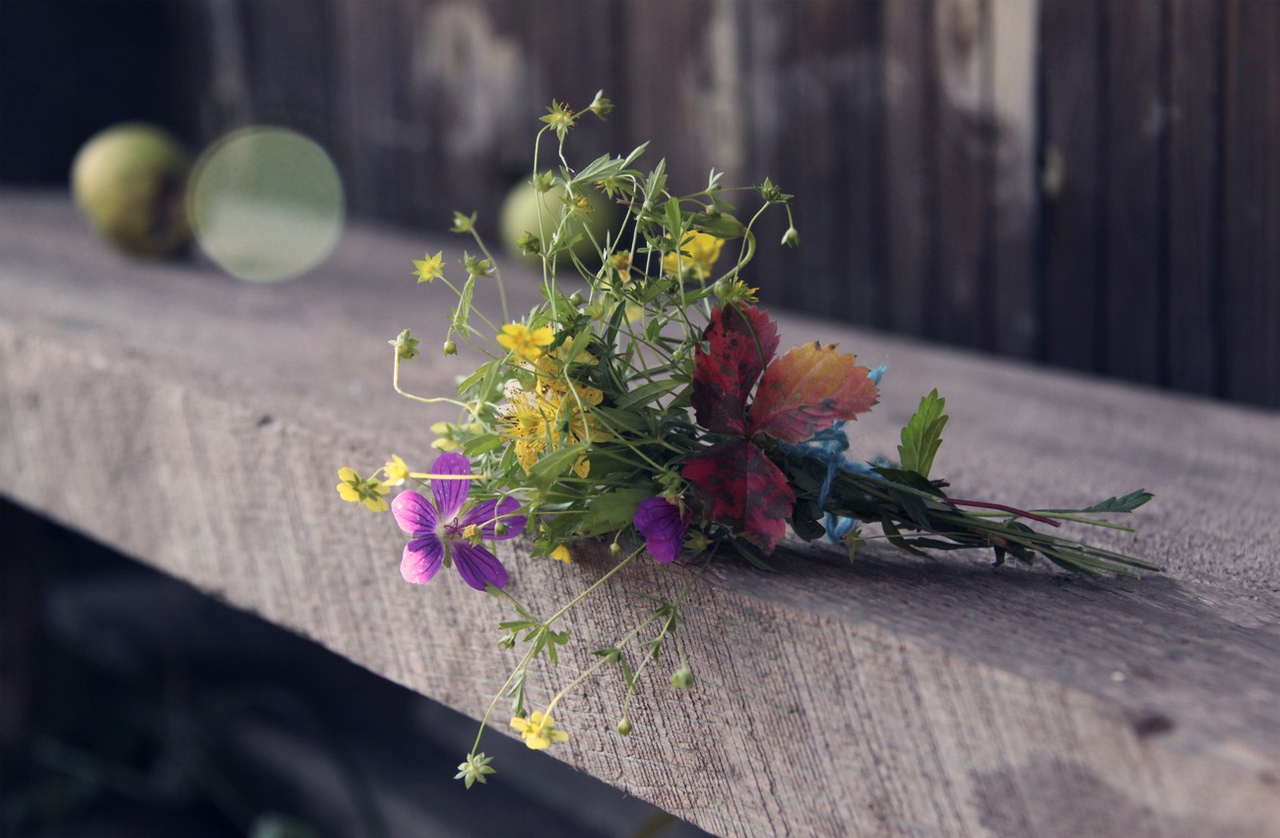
{"x": 890, "y": 697}
{"x": 667, "y": 80}
{"x": 1194, "y": 328}
{"x": 960, "y": 293}
{"x": 1136, "y": 124}
{"x": 1251, "y": 204}
{"x": 375, "y": 138}
{"x": 768, "y": 148}
{"x": 1015, "y": 191}
{"x": 1071, "y": 250}
{"x": 910, "y": 165}
{"x": 824, "y": 95}
{"x": 855, "y": 66}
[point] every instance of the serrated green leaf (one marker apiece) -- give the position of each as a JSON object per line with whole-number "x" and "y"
{"x": 1126, "y": 503}
{"x": 922, "y": 435}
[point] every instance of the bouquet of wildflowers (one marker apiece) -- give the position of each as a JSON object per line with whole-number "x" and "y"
{"x": 653, "y": 409}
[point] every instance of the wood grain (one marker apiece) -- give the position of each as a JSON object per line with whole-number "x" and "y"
{"x": 197, "y": 424}
{"x": 1195, "y": 43}
{"x": 910, "y": 170}
{"x": 1015, "y": 187}
{"x": 1136, "y": 125}
{"x": 1251, "y": 203}
{"x": 959, "y": 285}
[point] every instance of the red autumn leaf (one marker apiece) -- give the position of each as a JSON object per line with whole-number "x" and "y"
{"x": 742, "y": 489}
{"x": 807, "y": 389}
{"x": 741, "y": 341}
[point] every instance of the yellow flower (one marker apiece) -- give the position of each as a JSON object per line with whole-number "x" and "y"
{"x": 561, "y": 554}
{"x": 396, "y": 471}
{"x": 539, "y": 730}
{"x": 429, "y": 267}
{"x": 702, "y": 249}
{"x": 544, "y": 421}
{"x": 735, "y": 291}
{"x": 355, "y": 489}
{"x": 517, "y": 338}
{"x": 550, "y": 370}
{"x": 621, "y": 263}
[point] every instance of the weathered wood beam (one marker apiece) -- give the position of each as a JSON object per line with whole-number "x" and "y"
{"x": 197, "y": 423}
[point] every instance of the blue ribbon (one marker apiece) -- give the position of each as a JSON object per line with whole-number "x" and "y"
{"x": 828, "y": 446}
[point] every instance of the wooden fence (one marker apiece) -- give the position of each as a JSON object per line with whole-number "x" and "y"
{"x": 1094, "y": 185}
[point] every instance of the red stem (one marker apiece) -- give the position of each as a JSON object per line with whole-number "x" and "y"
{"x": 1021, "y": 513}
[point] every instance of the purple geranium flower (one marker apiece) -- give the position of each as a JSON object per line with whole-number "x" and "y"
{"x": 439, "y": 530}
{"x": 663, "y": 527}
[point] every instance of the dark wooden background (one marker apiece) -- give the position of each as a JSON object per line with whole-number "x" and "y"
{"x": 1093, "y": 185}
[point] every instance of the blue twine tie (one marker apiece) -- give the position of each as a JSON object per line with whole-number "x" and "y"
{"x": 828, "y": 446}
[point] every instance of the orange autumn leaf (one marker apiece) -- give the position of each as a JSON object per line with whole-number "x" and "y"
{"x": 809, "y": 388}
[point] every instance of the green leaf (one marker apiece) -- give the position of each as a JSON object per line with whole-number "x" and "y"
{"x": 922, "y": 435}
{"x": 614, "y": 510}
{"x": 552, "y": 467}
{"x": 909, "y": 479}
{"x": 646, "y": 393}
{"x": 674, "y": 220}
{"x": 462, "y": 314}
{"x": 718, "y": 224}
{"x": 1127, "y": 503}
{"x": 483, "y": 444}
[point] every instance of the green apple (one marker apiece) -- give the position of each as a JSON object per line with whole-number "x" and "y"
{"x": 130, "y": 180}
{"x": 526, "y": 210}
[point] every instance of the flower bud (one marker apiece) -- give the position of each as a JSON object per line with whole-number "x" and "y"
{"x": 406, "y": 346}
{"x": 791, "y": 238}
{"x": 577, "y": 299}
{"x": 615, "y": 548}
{"x": 529, "y": 244}
{"x": 600, "y": 106}
{"x": 624, "y": 727}
{"x": 682, "y": 679}
{"x": 450, "y": 348}
{"x": 500, "y": 528}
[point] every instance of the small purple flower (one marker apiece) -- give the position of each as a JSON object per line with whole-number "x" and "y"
{"x": 663, "y": 527}
{"x": 440, "y": 530}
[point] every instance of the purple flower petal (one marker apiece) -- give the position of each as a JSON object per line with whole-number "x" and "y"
{"x": 477, "y": 565}
{"x": 663, "y": 527}
{"x": 486, "y": 514}
{"x": 450, "y": 495}
{"x": 414, "y": 513}
{"x": 422, "y": 559}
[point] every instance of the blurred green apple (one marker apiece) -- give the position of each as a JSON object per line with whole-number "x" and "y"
{"x": 130, "y": 180}
{"x": 526, "y": 210}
